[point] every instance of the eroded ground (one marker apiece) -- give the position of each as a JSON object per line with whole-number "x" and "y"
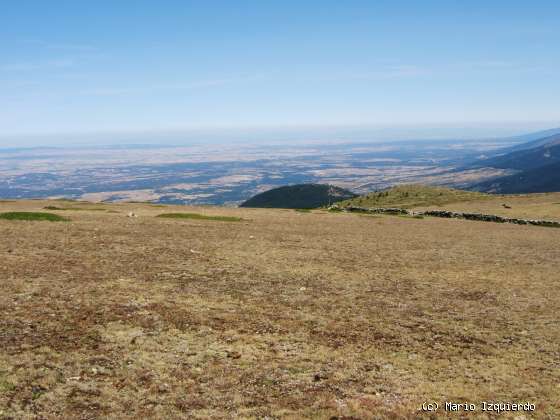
{"x": 283, "y": 315}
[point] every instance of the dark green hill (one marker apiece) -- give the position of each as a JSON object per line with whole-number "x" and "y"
{"x": 301, "y": 196}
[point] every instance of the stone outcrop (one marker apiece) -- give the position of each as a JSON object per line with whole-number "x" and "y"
{"x": 378, "y": 210}
{"x": 447, "y": 214}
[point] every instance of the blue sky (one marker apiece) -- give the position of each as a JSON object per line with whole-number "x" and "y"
{"x": 118, "y": 66}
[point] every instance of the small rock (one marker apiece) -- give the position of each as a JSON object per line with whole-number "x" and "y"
{"x": 37, "y": 389}
{"x": 233, "y": 354}
{"x": 87, "y": 389}
{"x": 319, "y": 376}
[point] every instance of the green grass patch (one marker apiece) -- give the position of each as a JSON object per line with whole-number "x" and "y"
{"x": 32, "y": 216}
{"x": 197, "y": 216}
{"x": 6, "y": 386}
{"x": 74, "y": 208}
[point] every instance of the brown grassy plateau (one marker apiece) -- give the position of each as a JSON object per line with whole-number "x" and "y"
{"x": 281, "y": 315}
{"x": 418, "y": 197}
{"x": 530, "y": 206}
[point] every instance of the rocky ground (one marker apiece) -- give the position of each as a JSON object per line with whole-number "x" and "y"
{"x": 282, "y": 315}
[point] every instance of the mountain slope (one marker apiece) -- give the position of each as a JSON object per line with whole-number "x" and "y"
{"x": 409, "y": 196}
{"x": 544, "y": 154}
{"x": 301, "y": 196}
{"x": 539, "y": 180}
{"x": 532, "y": 140}
{"x": 538, "y": 163}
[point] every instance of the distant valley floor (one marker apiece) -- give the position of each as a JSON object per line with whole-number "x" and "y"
{"x": 229, "y": 175}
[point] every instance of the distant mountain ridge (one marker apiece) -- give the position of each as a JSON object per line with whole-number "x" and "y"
{"x": 538, "y": 163}
{"x": 542, "y": 141}
{"x": 540, "y": 180}
{"x": 536, "y": 154}
{"x": 300, "y": 196}
{"x": 527, "y": 139}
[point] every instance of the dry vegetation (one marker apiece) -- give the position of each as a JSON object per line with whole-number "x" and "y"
{"x": 414, "y": 195}
{"x": 197, "y": 216}
{"x": 529, "y": 206}
{"x": 544, "y": 206}
{"x": 282, "y": 315}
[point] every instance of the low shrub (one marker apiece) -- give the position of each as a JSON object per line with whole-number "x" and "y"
{"x": 32, "y": 216}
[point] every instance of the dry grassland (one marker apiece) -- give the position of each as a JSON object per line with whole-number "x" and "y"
{"x": 531, "y": 206}
{"x": 282, "y": 315}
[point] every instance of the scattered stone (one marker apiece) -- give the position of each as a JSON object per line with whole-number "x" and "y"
{"x": 131, "y": 214}
{"x": 86, "y": 389}
{"x": 37, "y": 389}
{"x": 320, "y": 376}
{"x": 233, "y": 354}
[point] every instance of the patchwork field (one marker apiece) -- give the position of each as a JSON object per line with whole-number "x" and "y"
{"x": 281, "y": 314}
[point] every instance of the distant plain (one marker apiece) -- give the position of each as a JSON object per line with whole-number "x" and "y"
{"x": 229, "y": 174}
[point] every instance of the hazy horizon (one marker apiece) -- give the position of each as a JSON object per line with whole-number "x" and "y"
{"x": 279, "y": 135}
{"x": 475, "y": 69}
